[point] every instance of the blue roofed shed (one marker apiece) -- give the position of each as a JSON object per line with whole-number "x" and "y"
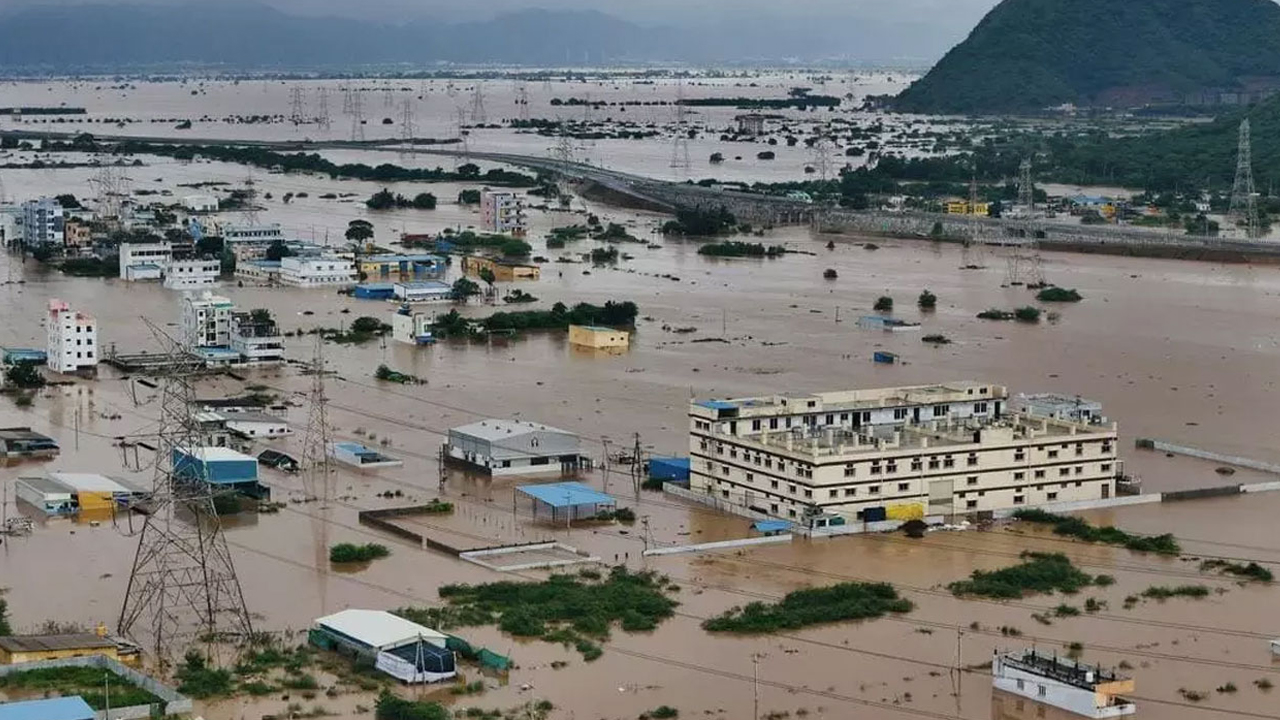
{"x": 674, "y": 469}
{"x": 566, "y": 500}
{"x": 219, "y": 466}
{"x": 60, "y": 708}
{"x": 375, "y": 291}
{"x": 13, "y": 356}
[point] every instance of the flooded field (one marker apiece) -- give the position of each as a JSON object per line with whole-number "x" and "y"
{"x": 1183, "y": 352}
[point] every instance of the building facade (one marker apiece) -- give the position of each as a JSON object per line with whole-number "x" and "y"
{"x": 401, "y": 267}
{"x": 144, "y": 261}
{"x": 256, "y": 337}
{"x": 77, "y": 236}
{"x": 501, "y": 211}
{"x": 191, "y": 274}
{"x": 895, "y": 453}
{"x": 503, "y": 270}
{"x": 598, "y": 337}
{"x": 73, "y": 340}
{"x": 515, "y": 447}
{"x": 42, "y": 222}
{"x": 206, "y": 320}
{"x": 316, "y": 271}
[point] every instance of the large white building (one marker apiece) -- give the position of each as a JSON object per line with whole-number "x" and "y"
{"x": 192, "y": 273}
{"x": 317, "y": 271}
{"x": 515, "y": 447}
{"x": 256, "y": 337}
{"x": 42, "y": 222}
{"x": 144, "y": 261}
{"x": 502, "y": 212}
{"x": 895, "y": 453}
{"x": 73, "y": 340}
{"x": 206, "y": 320}
{"x": 1087, "y": 691}
{"x": 200, "y": 203}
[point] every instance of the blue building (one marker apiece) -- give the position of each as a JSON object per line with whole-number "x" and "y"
{"x": 221, "y": 467}
{"x": 375, "y": 291}
{"x": 673, "y": 469}
{"x": 401, "y": 267}
{"x": 60, "y": 708}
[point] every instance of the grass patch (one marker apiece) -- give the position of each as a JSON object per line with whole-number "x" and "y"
{"x": 390, "y": 707}
{"x": 735, "y": 248}
{"x": 812, "y": 606}
{"x": 568, "y": 609}
{"x": 1161, "y": 592}
{"x": 1107, "y": 535}
{"x": 1057, "y": 294}
{"x": 349, "y": 553}
{"x": 1249, "y": 571}
{"x": 1065, "y": 610}
{"x": 1038, "y": 573}
{"x": 83, "y": 681}
{"x": 662, "y": 712}
{"x": 198, "y": 680}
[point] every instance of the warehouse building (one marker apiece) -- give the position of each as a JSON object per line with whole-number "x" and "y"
{"x": 23, "y": 442}
{"x": 895, "y": 453}
{"x": 16, "y": 649}
{"x": 601, "y": 338}
{"x": 402, "y": 649}
{"x": 65, "y": 493}
{"x": 221, "y": 467}
{"x": 515, "y": 447}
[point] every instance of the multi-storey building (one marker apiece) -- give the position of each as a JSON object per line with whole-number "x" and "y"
{"x": 191, "y": 273}
{"x": 256, "y": 337}
{"x": 502, "y": 212}
{"x": 316, "y": 271}
{"x": 895, "y": 453}
{"x": 144, "y": 261}
{"x": 206, "y": 321}
{"x": 42, "y": 222}
{"x": 73, "y": 340}
{"x": 77, "y": 236}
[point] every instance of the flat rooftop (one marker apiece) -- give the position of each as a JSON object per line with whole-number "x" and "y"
{"x": 214, "y": 454}
{"x": 45, "y": 643}
{"x": 1062, "y": 669}
{"x": 566, "y": 494}
{"x": 377, "y": 628}
{"x": 496, "y": 429}
{"x": 861, "y": 399}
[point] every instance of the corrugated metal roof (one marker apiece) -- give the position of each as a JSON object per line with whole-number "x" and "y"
{"x": 68, "y": 641}
{"x": 215, "y": 454}
{"x": 501, "y": 429}
{"x": 62, "y": 708}
{"x": 48, "y": 486}
{"x": 565, "y": 494}
{"x": 92, "y": 482}
{"x": 377, "y": 628}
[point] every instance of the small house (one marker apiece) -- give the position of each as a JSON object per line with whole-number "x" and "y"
{"x": 374, "y": 291}
{"x": 515, "y": 447}
{"x": 359, "y": 456}
{"x": 592, "y": 336}
{"x": 16, "y": 649}
{"x": 673, "y": 469}
{"x": 1085, "y": 690}
{"x": 22, "y": 442}
{"x": 405, "y": 650}
{"x": 503, "y": 270}
{"x": 46, "y": 495}
{"x": 422, "y": 292}
{"x": 411, "y": 327}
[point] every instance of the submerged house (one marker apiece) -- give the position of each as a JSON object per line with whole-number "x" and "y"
{"x": 515, "y": 447}
{"x": 23, "y": 442}
{"x": 1085, "y": 690}
{"x": 402, "y": 649}
{"x": 223, "y": 468}
{"x": 359, "y": 456}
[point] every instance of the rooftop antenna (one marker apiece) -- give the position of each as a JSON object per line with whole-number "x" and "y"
{"x": 680, "y": 146}
{"x": 1244, "y": 197}
{"x": 357, "y": 118}
{"x": 478, "y": 116}
{"x": 183, "y": 584}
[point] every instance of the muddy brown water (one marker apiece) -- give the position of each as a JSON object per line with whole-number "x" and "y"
{"x": 1180, "y": 351}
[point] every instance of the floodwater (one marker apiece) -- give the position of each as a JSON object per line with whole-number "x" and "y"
{"x": 1184, "y": 352}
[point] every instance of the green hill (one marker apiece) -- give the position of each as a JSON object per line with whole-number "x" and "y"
{"x": 1030, "y": 54}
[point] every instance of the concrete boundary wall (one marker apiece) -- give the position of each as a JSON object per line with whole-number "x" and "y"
{"x": 174, "y": 702}
{"x": 1238, "y": 461}
{"x": 719, "y": 545}
{"x": 476, "y": 557}
{"x": 1077, "y": 506}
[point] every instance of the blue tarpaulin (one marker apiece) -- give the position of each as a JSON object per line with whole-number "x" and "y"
{"x": 769, "y": 527}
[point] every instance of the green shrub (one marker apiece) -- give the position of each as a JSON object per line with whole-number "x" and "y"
{"x": 198, "y": 680}
{"x": 349, "y": 553}
{"x": 1108, "y": 535}
{"x": 390, "y": 707}
{"x": 1027, "y": 314}
{"x": 1039, "y": 573}
{"x": 1057, "y": 294}
{"x": 812, "y": 606}
{"x": 927, "y": 300}
{"x": 884, "y": 303}
{"x": 1250, "y": 571}
{"x": 1160, "y": 592}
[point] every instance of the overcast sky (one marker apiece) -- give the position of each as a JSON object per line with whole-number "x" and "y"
{"x": 924, "y": 28}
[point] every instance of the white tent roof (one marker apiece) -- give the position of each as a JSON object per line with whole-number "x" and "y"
{"x": 92, "y": 482}
{"x": 378, "y": 628}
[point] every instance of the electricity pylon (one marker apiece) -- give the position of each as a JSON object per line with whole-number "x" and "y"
{"x": 1244, "y": 197}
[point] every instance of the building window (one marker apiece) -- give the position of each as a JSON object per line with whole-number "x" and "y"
{"x": 876, "y": 469}
{"x": 1106, "y": 447}
{"x": 791, "y": 489}
{"x": 755, "y": 424}
{"x": 933, "y": 463}
{"x": 1079, "y": 483}
{"x": 1106, "y": 467}
{"x": 1051, "y": 496}
{"x": 724, "y": 493}
{"x": 750, "y": 477}
{"x": 733, "y": 453}
{"x": 971, "y": 480}
{"x": 916, "y": 465}
{"x": 791, "y": 512}
{"x": 773, "y": 423}
{"x": 1053, "y": 454}
{"x": 941, "y": 410}
{"x": 1079, "y": 469}
{"x": 891, "y": 467}
{"x": 850, "y": 492}
{"x": 1019, "y": 455}
{"x": 971, "y": 504}
{"x": 702, "y": 445}
{"x": 773, "y": 484}
{"x": 850, "y": 471}
{"x": 1039, "y": 473}
{"x": 773, "y": 508}
{"x": 899, "y": 413}
{"x": 808, "y": 493}
{"x": 833, "y": 493}
{"x": 948, "y": 462}
{"x": 874, "y": 489}
{"x": 1019, "y": 499}
{"x": 724, "y": 470}
{"x": 903, "y": 487}
{"x": 1064, "y": 471}
{"x": 1019, "y": 475}
{"x": 1040, "y": 690}
{"x": 973, "y": 460}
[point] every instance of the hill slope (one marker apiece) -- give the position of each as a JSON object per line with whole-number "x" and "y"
{"x": 1030, "y": 54}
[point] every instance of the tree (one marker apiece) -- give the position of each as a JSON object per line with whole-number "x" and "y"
{"x": 210, "y": 245}
{"x": 260, "y": 316}
{"x": 487, "y": 275}
{"x": 469, "y": 170}
{"x": 68, "y": 201}
{"x": 5, "y": 629}
{"x": 277, "y": 250}
{"x": 469, "y": 197}
{"x": 24, "y": 376}
{"x": 927, "y": 300}
{"x": 883, "y": 304}
{"x": 424, "y": 201}
{"x": 464, "y": 288}
{"x": 516, "y": 248}
{"x": 358, "y": 231}
{"x": 366, "y": 325}
{"x": 384, "y": 199}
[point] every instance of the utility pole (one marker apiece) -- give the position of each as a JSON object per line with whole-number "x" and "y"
{"x": 522, "y": 100}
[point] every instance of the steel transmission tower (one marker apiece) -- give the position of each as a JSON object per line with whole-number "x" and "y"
{"x": 1244, "y": 198}
{"x": 973, "y": 253}
{"x": 478, "y": 115}
{"x": 357, "y": 118}
{"x": 296, "y": 109}
{"x": 322, "y": 104}
{"x": 464, "y": 154}
{"x": 1026, "y": 191}
{"x": 820, "y": 157}
{"x": 680, "y": 146}
{"x": 407, "y": 128}
{"x": 111, "y": 186}
{"x": 318, "y": 472}
{"x": 522, "y": 100}
{"x": 183, "y": 585}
